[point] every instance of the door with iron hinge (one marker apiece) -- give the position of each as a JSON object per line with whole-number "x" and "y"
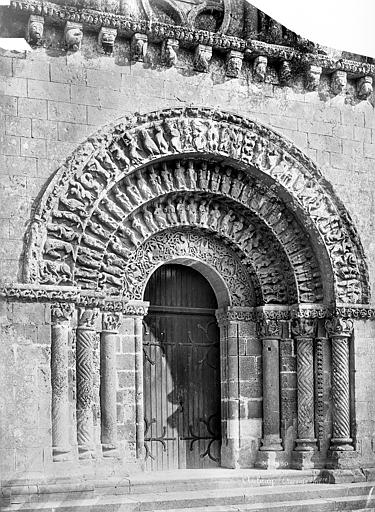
{"x": 181, "y": 359}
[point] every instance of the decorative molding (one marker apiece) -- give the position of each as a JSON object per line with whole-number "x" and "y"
{"x": 337, "y": 327}
{"x": 106, "y": 39}
{"x": 236, "y": 314}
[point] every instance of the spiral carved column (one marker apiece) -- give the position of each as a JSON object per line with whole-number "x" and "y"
{"x": 61, "y": 315}
{"x": 340, "y": 330}
{"x": 86, "y": 332}
{"x": 108, "y": 383}
{"x": 304, "y": 332}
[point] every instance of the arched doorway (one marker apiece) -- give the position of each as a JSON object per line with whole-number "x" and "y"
{"x": 181, "y": 368}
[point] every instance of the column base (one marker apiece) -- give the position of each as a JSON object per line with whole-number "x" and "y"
{"x": 341, "y": 459}
{"x": 271, "y": 443}
{"x": 306, "y": 445}
{"x": 86, "y": 452}
{"x": 230, "y": 454}
{"x": 305, "y": 459}
{"x": 62, "y": 453}
{"x": 110, "y": 451}
{"x": 342, "y": 476}
{"x": 271, "y": 460}
{"x": 342, "y": 444}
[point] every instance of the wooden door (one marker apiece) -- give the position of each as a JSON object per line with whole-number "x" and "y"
{"x": 181, "y": 371}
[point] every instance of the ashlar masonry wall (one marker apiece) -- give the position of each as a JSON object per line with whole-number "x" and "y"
{"x": 51, "y": 101}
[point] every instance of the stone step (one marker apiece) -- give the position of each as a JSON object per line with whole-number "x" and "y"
{"x": 319, "y": 497}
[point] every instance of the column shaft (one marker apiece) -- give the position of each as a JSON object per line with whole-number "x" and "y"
{"x": 139, "y": 410}
{"x": 108, "y": 383}
{"x": 61, "y": 444}
{"x": 84, "y": 374}
{"x": 271, "y": 440}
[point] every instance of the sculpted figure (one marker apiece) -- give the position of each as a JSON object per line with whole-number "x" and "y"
{"x": 171, "y": 213}
{"x": 61, "y": 231}
{"x": 212, "y": 136}
{"x": 137, "y": 225}
{"x": 226, "y": 182}
{"x": 98, "y": 229}
{"x": 104, "y": 278}
{"x": 139, "y": 47}
{"x": 160, "y": 217}
{"x": 160, "y": 140}
{"x": 105, "y": 219}
{"x": 191, "y": 208}
{"x": 313, "y": 77}
{"x": 155, "y": 181}
{"x": 179, "y": 174}
{"x": 338, "y": 81}
{"x": 148, "y": 144}
{"x": 55, "y": 272}
{"x": 186, "y": 133}
{"x": 203, "y": 174}
{"x": 203, "y": 214}
{"x": 260, "y": 68}
{"x": 225, "y": 222}
{"x": 74, "y": 206}
{"x": 213, "y": 221}
{"x": 168, "y": 178}
{"x": 106, "y": 39}
{"x": 122, "y": 199}
{"x": 119, "y": 248}
{"x": 199, "y": 140}
{"x": 181, "y": 211}
{"x": 92, "y": 242}
{"x": 215, "y": 179}
{"x": 237, "y": 186}
{"x": 54, "y": 247}
{"x": 149, "y": 220}
{"x": 132, "y": 192}
{"x": 89, "y": 182}
{"x": 202, "y": 57}
{"x": 106, "y": 162}
{"x": 174, "y": 134}
{"x": 143, "y": 187}
{"x": 130, "y": 235}
{"x": 71, "y": 217}
{"x": 87, "y": 261}
{"x": 95, "y": 168}
{"x": 224, "y": 140}
{"x": 248, "y": 146}
{"x": 237, "y": 228}
{"x": 112, "y": 208}
{"x": 192, "y": 176}
{"x": 365, "y": 87}
{"x": 78, "y": 190}
{"x": 120, "y": 156}
{"x": 132, "y": 146}
{"x": 170, "y": 55}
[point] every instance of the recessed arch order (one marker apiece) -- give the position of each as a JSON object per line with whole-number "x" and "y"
{"x": 233, "y": 184}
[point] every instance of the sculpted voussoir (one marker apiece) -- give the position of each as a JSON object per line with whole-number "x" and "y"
{"x": 118, "y": 151}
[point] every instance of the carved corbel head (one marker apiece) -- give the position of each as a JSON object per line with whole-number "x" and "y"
{"x": 139, "y": 47}
{"x": 203, "y": 54}
{"x": 313, "y": 77}
{"x": 73, "y": 36}
{"x": 170, "y": 47}
{"x": 260, "y": 68}
{"x": 106, "y": 38}
{"x": 364, "y": 87}
{"x": 35, "y": 29}
{"x": 338, "y": 82}
{"x": 234, "y": 63}
{"x": 285, "y": 72}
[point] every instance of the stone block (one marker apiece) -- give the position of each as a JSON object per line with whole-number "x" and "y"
{"x": 125, "y": 362}
{"x": 84, "y": 95}
{"x": 67, "y": 74}
{"x": 31, "y": 68}
{"x": 251, "y": 388}
{"x": 126, "y": 379}
{"x": 61, "y": 111}
{"x": 352, "y": 147}
{"x": 59, "y": 150}
{"x": 44, "y": 129}
{"x": 10, "y": 145}
{"x": 109, "y": 79}
{"x": 352, "y": 116}
{"x": 20, "y": 126}
{"x": 34, "y": 108}
{"x": 98, "y": 116}
{"x": 48, "y": 90}
{"x": 324, "y": 143}
{"x": 363, "y": 134}
{"x": 73, "y": 132}
{"x": 369, "y": 150}
{"x": 11, "y": 86}
{"x": 318, "y": 127}
{"x": 33, "y": 147}
{"x": 6, "y": 66}
{"x": 8, "y": 105}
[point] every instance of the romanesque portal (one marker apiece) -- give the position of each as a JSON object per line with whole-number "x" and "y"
{"x": 219, "y": 200}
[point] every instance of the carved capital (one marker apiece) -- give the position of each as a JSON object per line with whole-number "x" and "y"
{"x": 35, "y": 29}
{"x": 313, "y": 77}
{"x": 169, "y": 52}
{"x": 234, "y": 63}
{"x": 61, "y": 312}
{"x": 269, "y": 328}
{"x": 338, "y": 82}
{"x": 73, "y": 35}
{"x": 106, "y": 39}
{"x": 260, "y": 68}
{"x": 87, "y": 318}
{"x": 339, "y": 327}
{"x": 304, "y": 327}
{"x": 203, "y": 54}
{"x": 111, "y": 321}
{"x": 139, "y": 44}
{"x": 365, "y": 87}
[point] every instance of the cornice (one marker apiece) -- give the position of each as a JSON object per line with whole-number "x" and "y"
{"x": 157, "y": 32}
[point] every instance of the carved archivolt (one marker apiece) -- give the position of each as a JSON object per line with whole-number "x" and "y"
{"x": 121, "y": 187}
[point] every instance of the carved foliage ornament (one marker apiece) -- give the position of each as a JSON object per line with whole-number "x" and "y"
{"x": 338, "y": 326}
{"x": 111, "y": 321}
{"x": 123, "y": 147}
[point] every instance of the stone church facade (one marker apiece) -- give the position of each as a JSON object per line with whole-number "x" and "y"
{"x": 192, "y": 137}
